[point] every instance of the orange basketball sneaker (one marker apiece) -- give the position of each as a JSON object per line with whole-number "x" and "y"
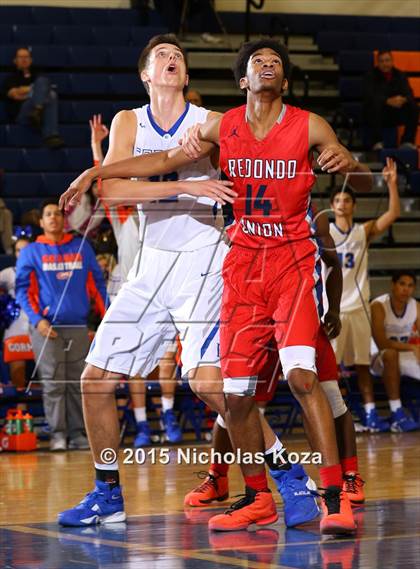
{"x": 214, "y": 488}
{"x": 337, "y": 515}
{"x": 353, "y": 486}
{"x": 255, "y": 508}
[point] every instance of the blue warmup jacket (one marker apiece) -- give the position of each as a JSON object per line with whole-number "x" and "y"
{"x": 59, "y": 281}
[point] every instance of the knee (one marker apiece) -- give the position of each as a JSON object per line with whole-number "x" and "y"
{"x": 302, "y": 381}
{"x": 238, "y": 405}
{"x": 97, "y": 381}
{"x": 335, "y": 399}
{"x": 390, "y": 356}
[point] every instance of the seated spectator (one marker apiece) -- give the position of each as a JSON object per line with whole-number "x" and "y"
{"x": 6, "y": 228}
{"x": 30, "y": 99}
{"x": 394, "y": 317}
{"x": 32, "y": 218}
{"x": 111, "y": 272}
{"x": 194, "y": 97}
{"x": 57, "y": 277}
{"x": 389, "y": 102}
{"x": 17, "y": 334}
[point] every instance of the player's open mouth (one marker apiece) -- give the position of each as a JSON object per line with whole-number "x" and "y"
{"x": 171, "y": 68}
{"x": 268, "y": 75}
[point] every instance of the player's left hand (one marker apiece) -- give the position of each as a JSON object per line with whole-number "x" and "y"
{"x": 389, "y": 172}
{"x": 332, "y": 324}
{"x": 190, "y": 142}
{"x": 336, "y": 158}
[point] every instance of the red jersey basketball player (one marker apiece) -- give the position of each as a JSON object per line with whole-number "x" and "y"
{"x": 269, "y": 274}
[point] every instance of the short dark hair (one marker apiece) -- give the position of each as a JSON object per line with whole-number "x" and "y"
{"x": 339, "y": 190}
{"x": 384, "y": 51}
{"x": 248, "y": 48}
{"x": 153, "y": 42}
{"x": 403, "y": 273}
{"x": 47, "y": 202}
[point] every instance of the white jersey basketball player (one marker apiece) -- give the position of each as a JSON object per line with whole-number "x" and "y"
{"x": 396, "y": 351}
{"x": 352, "y": 240}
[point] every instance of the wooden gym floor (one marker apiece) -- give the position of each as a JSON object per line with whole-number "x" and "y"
{"x": 34, "y": 487}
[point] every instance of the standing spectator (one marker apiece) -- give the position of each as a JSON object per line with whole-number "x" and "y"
{"x": 17, "y": 334}
{"x": 6, "y": 228}
{"x": 352, "y": 240}
{"x": 389, "y": 102}
{"x": 30, "y": 99}
{"x": 57, "y": 277}
{"x": 394, "y": 317}
{"x": 194, "y": 97}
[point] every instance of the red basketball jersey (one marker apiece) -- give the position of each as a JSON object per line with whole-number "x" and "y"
{"x": 273, "y": 178}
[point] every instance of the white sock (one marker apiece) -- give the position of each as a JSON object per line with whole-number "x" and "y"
{"x": 395, "y": 404}
{"x": 112, "y": 466}
{"x": 277, "y": 446}
{"x": 140, "y": 414}
{"x": 369, "y": 407}
{"x": 220, "y": 421}
{"x": 167, "y": 403}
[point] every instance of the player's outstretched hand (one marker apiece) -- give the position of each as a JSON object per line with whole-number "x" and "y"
{"x": 390, "y": 172}
{"x": 332, "y": 324}
{"x": 336, "y": 158}
{"x": 77, "y": 188}
{"x": 190, "y": 142}
{"x": 98, "y": 129}
{"x": 218, "y": 190}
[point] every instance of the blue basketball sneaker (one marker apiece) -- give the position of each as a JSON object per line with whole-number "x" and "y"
{"x": 103, "y": 505}
{"x": 171, "y": 426}
{"x": 296, "y": 489}
{"x": 143, "y": 438}
{"x": 375, "y": 424}
{"x": 401, "y": 422}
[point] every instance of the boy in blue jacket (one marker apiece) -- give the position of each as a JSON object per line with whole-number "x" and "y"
{"x": 57, "y": 280}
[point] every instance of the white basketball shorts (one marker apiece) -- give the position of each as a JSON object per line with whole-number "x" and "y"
{"x": 167, "y": 292}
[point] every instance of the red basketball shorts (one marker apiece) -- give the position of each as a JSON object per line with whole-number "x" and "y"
{"x": 267, "y": 292}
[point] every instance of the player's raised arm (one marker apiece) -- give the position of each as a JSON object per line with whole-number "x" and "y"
{"x": 334, "y": 157}
{"x": 376, "y": 226}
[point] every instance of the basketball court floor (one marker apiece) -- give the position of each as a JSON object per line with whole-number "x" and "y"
{"x": 161, "y": 534}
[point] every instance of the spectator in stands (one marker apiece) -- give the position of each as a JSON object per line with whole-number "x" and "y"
{"x": 31, "y": 100}
{"x": 389, "y": 102}
{"x": 6, "y": 228}
{"x": 395, "y": 323}
{"x": 194, "y": 97}
{"x": 17, "y": 345}
{"x": 32, "y": 217}
{"x": 352, "y": 241}
{"x": 111, "y": 272}
{"x": 57, "y": 278}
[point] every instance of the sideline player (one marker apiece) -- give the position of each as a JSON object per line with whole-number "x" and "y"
{"x": 175, "y": 284}
{"x": 394, "y": 316}
{"x": 352, "y": 240}
{"x": 269, "y": 142}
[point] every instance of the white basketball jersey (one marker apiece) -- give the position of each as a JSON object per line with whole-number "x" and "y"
{"x": 398, "y": 328}
{"x": 352, "y": 251}
{"x": 181, "y": 223}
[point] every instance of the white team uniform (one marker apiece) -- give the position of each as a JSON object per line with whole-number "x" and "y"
{"x": 352, "y": 346}
{"x": 400, "y": 329}
{"x": 175, "y": 284}
{"x": 20, "y": 326}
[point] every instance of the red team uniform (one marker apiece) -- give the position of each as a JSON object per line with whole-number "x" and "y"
{"x": 270, "y": 274}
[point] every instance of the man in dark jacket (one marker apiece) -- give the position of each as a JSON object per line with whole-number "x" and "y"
{"x": 30, "y": 100}
{"x": 389, "y": 101}
{"x": 57, "y": 279}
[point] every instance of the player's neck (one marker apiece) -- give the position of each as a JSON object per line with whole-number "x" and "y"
{"x": 398, "y": 306}
{"x": 262, "y": 111}
{"x": 56, "y": 237}
{"x": 166, "y": 106}
{"x": 344, "y": 223}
